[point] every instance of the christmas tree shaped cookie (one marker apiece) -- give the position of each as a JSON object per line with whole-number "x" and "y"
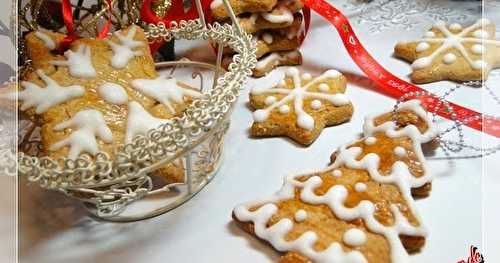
{"x": 360, "y": 208}
{"x": 300, "y": 106}
{"x": 99, "y": 94}
{"x": 452, "y": 52}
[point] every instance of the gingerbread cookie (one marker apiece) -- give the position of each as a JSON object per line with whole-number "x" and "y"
{"x": 241, "y": 6}
{"x": 99, "y": 94}
{"x": 300, "y": 106}
{"x": 270, "y": 61}
{"x": 451, "y": 52}
{"x": 356, "y": 210}
{"x": 253, "y": 23}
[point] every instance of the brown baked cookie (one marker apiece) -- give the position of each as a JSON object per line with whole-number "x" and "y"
{"x": 356, "y": 210}
{"x": 252, "y": 23}
{"x": 99, "y": 94}
{"x": 451, "y": 52}
{"x": 300, "y": 106}
{"x": 271, "y": 61}
{"x": 240, "y": 7}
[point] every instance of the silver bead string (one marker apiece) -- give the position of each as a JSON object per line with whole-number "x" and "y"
{"x": 451, "y": 148}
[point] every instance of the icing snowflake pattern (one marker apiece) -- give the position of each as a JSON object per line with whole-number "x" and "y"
{"x": 44, "y": 98}
{"x": 79, "y": 62}
{"x": 123, "y": 52}
{"x": 89, "y": 124}
{"x": 164, "y": 90}
{"x": 451, "y": 40}
{"x": 298, "y": 94}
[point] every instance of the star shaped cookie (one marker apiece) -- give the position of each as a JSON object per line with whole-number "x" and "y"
{"x": 360, "y": 208}
{"x": 452, "y": 52}
{"x": 99, "y": 94}
{"x": 300, "y": 106}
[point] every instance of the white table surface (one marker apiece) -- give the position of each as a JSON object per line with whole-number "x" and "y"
{"x": 56, "y": 229}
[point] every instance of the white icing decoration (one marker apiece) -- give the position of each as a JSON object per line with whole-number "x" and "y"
{"x": 306, "y": 76}
{"x": 336, "y": 196}
{"x": 297, "y": 95}
{"x": 451, "y": 40}
{"x": 164, "y": 90}
{"x": 47, "y": 40}
{"x": 449, "y": 58}
{"x": 282, "y": 84}
{"x": 315, "y": 104}
{"x": 79, "y": 62}
{"x": 429, "y": 34}
{"x": 337, "y": 173}
{"x": 324, "y": 87}
{"x": 477, "y": 49}
{"x": 354, "y": 237}
{"x": 370, "y": 140}
{"x": 113, "y": 93}
{"x": 422, "y": 46}
{"x": 89, "y": 124}
{"x": 44, "y": 98}
{"x": 455, "y": 27}
{"x": 285, "y": 16}
{"x": 268, "y": 38}
{"x": 270, "y": 100}
{"x": 400, "y": 151}
{"x": 360, "y": 187}
{"x": 479, "y": 64}
{"x": 139, "y": 121}
{"x": 300, "y": 215}
{"x": 480, "y": 34}
{"x": 123, "y": 53}
{"x": 284, "y": 109}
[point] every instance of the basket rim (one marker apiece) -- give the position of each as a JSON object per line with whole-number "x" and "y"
{"x": 54, "y": 174}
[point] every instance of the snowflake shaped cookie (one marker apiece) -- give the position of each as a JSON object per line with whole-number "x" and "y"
{"x": 361, "y": 207}
{"x": 99, "y": 95}
{"x": 451, "y": 52}
{"x": 300, "y": 107}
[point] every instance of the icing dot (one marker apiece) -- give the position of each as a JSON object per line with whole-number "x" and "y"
{"x": 480, "y": 34}
{"x": 113, "y": 93}
{"x": 270, "y": 100}
{"x": 354, "y": 237}
{"x": 422, "y": 46}
{"x": 360, "y": 187}
{"x": 429, "y": 34}
{"x": 455, "y": 26}
{"x": 284, "y": 109}
{"x": 479, "y": 64}
{"x": 260, "y": 115}
{"x": 305, "y": 121}
{"x": 370, "y": 140}
{"x": 292, "y": 71}
{"x": 337, "y": 173}
{"x": 400, "y": 151}
{"x": 477, "y": 49}
{"x": 324, "y": 87}
{"x": 449, "y": 58}
{"x": 268, "y": 38}
{"x": 315, "y": 104}
{"x": 332, "y": 73}
{"x": 306, "y": 76}
{"x": 300, "y": 215}
{"x": 421, "y": 63}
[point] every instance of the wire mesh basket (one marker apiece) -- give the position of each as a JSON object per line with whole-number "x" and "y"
{"x": 122, "y": 188}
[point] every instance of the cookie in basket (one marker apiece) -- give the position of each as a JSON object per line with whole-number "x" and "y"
{"x": 360, "y": 208}
{"x": 99, "y": 94}
{"x": 300, "y": 106}
{"x": 240, "y": 6}
{"x": 280, "y": 17}
{"x": 452, "y": 52}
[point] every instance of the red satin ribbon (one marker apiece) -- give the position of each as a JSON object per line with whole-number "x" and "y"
{"x": 389, "y": 83}
{"x": 68, "y": 21}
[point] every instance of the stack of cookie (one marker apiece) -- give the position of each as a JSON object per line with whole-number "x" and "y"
{"x": 275, "y": 24}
